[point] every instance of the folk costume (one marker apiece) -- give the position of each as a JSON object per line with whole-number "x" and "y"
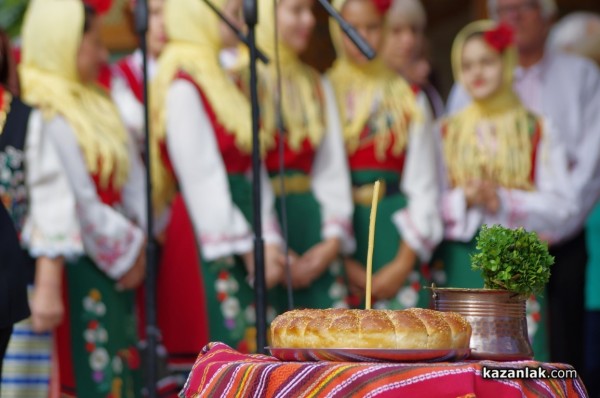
{"x": 388, "y": 136}
{"x": 316, "y": 183}
{"x": 124, "y": 81}
{"x": 565, "y": 89}
{"x": 496, "y": 139}
{"x": 96, "y": 341}
{"x": 202, "y": 138}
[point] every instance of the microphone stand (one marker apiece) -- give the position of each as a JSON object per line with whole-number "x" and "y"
{"x": 152, "y": 332}
{"x": 280, "y": 131}
{"x": 349, "y": 30}
{"x": 368, "y": 52}
{"x": 251, "y": 18}
{"x": 260, "y": 291}
{"x": 241, "y": 37}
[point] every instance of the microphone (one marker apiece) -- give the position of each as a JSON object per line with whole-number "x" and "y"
{"x": 349, "y": 31}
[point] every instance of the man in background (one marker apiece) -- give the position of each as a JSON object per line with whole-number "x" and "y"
{"x": 579, "y": 33}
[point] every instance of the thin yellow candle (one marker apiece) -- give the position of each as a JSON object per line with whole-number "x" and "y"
{"x": 371, "y": 244}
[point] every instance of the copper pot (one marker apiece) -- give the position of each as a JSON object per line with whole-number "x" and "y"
{"x": 497, "y": 317}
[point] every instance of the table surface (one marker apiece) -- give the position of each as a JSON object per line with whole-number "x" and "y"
{"x": 223, "y": 372}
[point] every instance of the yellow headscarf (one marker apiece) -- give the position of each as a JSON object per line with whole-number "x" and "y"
{"x": 378, "y": 95}
{"x": 52, "y": 33}
{"x": 302, "y": 101}
{"x": 505, "y": 119}
{"x": 193, "y": 47}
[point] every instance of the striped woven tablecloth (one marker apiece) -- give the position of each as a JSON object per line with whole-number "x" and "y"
{"x": 221, "y": 371}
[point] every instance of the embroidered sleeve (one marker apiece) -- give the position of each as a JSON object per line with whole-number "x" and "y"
{"x": 419, "y": 222}
{"x": 220, "y": 226}
{"x": 51, "y": 228}
{"x": 552, "y": 204}
{"x": 331, "y": 179}
{"x": 460, "y": 223}
{"x": 109, "y": 238}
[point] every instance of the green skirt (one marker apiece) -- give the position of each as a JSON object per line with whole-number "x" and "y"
{"x": 97, "y": 341}
{"x": 387, "y": 241}
{"x": 229, "y": 297}
{"x": 303, "y": 214}
{"x": 454, "y": 260}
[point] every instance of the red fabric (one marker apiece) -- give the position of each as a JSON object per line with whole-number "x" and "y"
{"x": 133, "y": 78}
{"x": 16, "y": 51}
{"x": 140, "y": 311}
{"x": 300, "y": 160}
{"x": 235, "y": 161}
{"x": 181, "y": 305}
{"x": 364, "y": 157}
{"x": 109, "y": 195}
{"x": 104, "y": 77}
{"x": 126, "y": 69}
{"x": 164, "y": 156}
{"x": 223, "y": 372}
{"x": 63, "y": 346}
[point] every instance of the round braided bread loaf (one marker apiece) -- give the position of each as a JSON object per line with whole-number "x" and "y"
{"x": 414, "y": 328}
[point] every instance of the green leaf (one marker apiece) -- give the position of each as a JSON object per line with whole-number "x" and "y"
{"x": 512, "y": 259}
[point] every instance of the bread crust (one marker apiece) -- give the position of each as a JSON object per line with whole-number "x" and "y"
{"x": 415, "y": 328}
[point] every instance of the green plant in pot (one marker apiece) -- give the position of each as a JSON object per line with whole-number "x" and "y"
{"x": 514, "y": 265}
{"x": 512, "y": 259}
